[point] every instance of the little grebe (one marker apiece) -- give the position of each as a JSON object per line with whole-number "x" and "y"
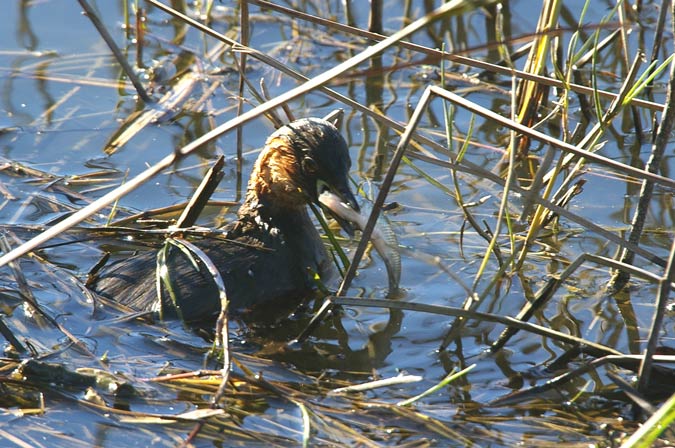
{"x": 270, "y": 254}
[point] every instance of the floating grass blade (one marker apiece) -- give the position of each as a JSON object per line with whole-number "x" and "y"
{"x": 386, "y": 382}
{"x": 165, "y": 108}
{"x": 452, "y": 376}
{"x": 306, "y": 423}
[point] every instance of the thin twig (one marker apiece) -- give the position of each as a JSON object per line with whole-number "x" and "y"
{"x": 116, "y": 51}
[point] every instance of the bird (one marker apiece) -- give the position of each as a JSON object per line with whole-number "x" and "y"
{"x": 270, "y": 256}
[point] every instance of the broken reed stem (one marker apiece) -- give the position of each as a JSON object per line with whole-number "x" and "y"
{"x": 202, "y": 195}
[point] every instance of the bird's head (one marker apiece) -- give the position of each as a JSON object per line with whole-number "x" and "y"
{"x": 300, "y": 161}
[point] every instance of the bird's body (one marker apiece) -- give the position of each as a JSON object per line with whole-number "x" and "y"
{"x": 269, "y": 255}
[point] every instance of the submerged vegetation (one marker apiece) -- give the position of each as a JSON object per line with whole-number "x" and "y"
{"x": 523, "y": 161}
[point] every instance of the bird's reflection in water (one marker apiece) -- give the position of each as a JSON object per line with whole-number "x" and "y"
{"x": 329, "y": 347}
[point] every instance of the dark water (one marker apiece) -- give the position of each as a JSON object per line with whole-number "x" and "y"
{"x": 62, "y": 98}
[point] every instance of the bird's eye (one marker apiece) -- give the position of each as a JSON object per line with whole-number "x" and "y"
{"x": 309, "y": 167}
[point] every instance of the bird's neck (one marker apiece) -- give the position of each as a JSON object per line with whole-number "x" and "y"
{"x": 276, "y": 206}
{"x": 272, "y": 186}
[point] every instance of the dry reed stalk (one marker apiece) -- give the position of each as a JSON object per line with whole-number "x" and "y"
{"x": 191, "y": 147}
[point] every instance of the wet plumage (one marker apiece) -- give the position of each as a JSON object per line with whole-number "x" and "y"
{"x": 272, "y": 250}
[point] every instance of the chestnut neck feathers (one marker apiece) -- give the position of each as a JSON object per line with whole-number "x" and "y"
{"x": 274, "y": 182}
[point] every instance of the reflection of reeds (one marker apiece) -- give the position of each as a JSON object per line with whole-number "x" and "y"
{"x": 103, "y": 31}
{"x": 546, "y": 194}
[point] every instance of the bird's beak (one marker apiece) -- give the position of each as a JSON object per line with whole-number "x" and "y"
{"x": 340, "y": 203}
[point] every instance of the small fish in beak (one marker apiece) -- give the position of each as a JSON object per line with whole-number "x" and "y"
{"x": 383, "y": 237}
{"x": 336, "y": 202}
